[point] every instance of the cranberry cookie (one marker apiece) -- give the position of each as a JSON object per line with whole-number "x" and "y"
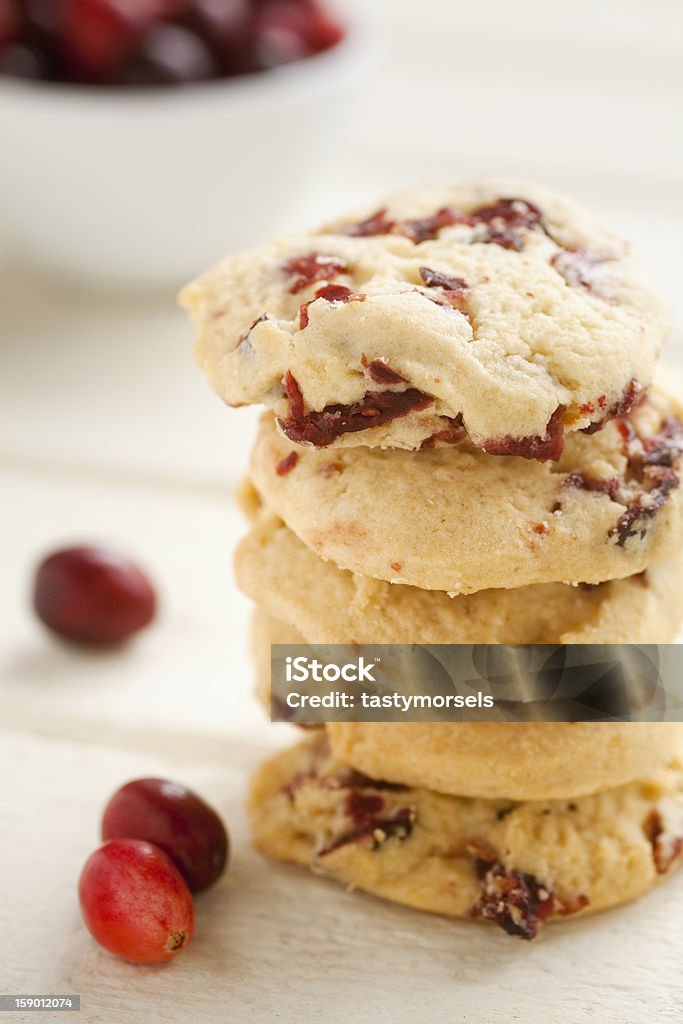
{"x": 515, "y": 760}
{"x": 515, "y": 864}
{"x": 330, "y": 605}
{"x": 497, "y": 312}
{"x": 458, "y": 520}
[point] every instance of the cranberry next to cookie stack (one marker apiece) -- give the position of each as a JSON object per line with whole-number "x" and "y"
{"x": 463, "y": 445}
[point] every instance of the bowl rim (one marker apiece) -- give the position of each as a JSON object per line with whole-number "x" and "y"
{"x": 348, "y": 58}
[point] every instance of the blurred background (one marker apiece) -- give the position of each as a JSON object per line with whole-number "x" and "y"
{"x": 112, "y": 197}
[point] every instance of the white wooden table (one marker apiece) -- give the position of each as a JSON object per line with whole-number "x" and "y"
{"x": 108, "y": 432}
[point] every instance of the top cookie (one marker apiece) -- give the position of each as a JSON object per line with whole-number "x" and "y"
{"x": 497, "y": 312}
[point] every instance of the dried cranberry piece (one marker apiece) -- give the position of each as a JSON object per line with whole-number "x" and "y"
{"x": 377, "y": 407}
{"x": 287, "y": 464}
{"x": 452, "y": 290}
{"x": 666, "y": 447}
{"x": 331, "y": 293}
{"x": 506, "y": 217}
{"x": 506, "y": 220}
{"x": 311, "y": 267}
{"x": 456, "y": 433}
{"x": 377, "y": 224}
{"x": 581, "y": 482}
{"x": 513, "y": 212}
{"x": 303, "y": 316}
{"x": 516, "y": 901}
{"x": 576, "y": 266}
{"x": 653, "y": 463}
{"x": 371, "y": 825}
{"x": 296, "y": 399}
{"x": 639, "y": 511}
{"x": 363, "y": 808}
{"x": 336, "y": 293}
{"x": 381, "y": 373}
{"x": 633, "y": 394}
{"x": 426, "y": 228}
{"x": 436, "y": 279}
{"x": 590, "y": 406}
{"x": 666, "y": 847}
{"x": 506, "y": 238}
{"x": 628, "y": 434}
{"x": 548, "y": 447}
{"x": 264, "y": 316}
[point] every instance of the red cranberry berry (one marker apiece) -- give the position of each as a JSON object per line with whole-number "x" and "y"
{"x": 282, "y": 33}
{"x": 228, "y": 28}
{"x": 135, "y": 903}
{"x": 9, "y": 21}
{"x": 93, "y": 595}
{"x": 41, "y": 18}
{"x": 98, "y": 35}
{"x": 21, "y": 61}
{"x": 169, "y": 54}
{"x": 322, "y": 31}
{"x": 175, "y": 819}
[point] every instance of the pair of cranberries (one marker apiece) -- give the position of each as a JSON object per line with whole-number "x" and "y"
{"x": 158, "y": 42}
{"x": 162, "y": 843}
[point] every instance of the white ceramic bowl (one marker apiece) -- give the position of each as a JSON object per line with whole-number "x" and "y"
{"x": 147, "y": 187}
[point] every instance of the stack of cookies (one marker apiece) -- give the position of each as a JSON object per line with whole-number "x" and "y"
{"x": 463, "y": 445}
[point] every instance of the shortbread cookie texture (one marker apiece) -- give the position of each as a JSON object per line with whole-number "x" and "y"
{"x": 496, "y": 312}
{"x": 265, "y": 631}
{"x": 330, "y": 605}
{"x": 515, "y": 864}
{"x": 455, "y": 519}
{"x": 514, "y": 760}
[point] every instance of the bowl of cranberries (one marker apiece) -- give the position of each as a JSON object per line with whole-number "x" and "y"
{"x": 143, "y": 138}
